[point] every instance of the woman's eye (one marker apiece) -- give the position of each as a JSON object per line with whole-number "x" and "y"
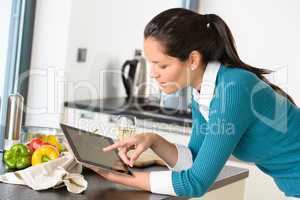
{"x": 163, "y": 66}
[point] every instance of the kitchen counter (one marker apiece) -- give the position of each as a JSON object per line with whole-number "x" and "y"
{"x": 99, "y": 188}
{"x": 138, "y": 107}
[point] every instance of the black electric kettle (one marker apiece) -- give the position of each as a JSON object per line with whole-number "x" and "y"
{"x": 136, "y": 78}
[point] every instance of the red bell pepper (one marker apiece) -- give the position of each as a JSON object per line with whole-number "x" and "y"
{"x": 36, "y": 143}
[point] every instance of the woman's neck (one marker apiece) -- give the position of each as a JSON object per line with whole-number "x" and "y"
{"x": 197, "y": 77}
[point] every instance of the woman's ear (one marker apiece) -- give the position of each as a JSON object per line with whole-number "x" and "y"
{"x": 195, "y": 58}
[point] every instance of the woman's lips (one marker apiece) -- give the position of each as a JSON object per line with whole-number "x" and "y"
{"x": 162, "y": 84}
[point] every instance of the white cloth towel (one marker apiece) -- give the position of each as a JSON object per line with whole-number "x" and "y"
{"x": 63, "y": 171}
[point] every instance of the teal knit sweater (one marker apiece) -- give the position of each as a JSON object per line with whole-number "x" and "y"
{"x": 248, "y": 119}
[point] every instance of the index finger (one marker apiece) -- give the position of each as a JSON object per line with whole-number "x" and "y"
{"x": 117, "y": 145}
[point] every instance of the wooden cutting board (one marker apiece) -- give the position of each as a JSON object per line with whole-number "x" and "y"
{"x": 147, "y": 158}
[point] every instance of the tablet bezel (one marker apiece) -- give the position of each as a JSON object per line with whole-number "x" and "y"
{"x": 78, "y": 157}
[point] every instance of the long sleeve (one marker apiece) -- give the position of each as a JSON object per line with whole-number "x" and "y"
{"x": 161, "y": 181}
{"x": 198, "y": 121}
{"x": 186, "y": 155}
{"x": 230, "y": 116}
{"x": 195, "y": 140}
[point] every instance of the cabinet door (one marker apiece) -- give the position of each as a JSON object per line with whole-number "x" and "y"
{"x": 163, "y": 127}
{"x": 69, "y": 116}
{"x": 100, "y": 123}
{"x": 81, "y": 119}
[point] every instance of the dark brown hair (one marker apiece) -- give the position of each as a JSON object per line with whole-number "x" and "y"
{"x": 182, "y": 31}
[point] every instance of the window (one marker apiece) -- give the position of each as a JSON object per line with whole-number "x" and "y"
{"x": 16, "y": 17}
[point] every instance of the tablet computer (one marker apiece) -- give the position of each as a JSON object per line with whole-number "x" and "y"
{"x": 87, "y": 148}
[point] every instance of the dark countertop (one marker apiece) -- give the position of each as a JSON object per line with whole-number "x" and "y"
{"x": 138, "y": 107}
{"x": 99, "y": 188}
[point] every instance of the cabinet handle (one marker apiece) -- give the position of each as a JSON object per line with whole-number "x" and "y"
{"x": 112, "y": 119}
{"x": 87, "y": 115}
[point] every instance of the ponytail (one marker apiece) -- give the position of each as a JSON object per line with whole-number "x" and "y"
{"x": 231, "y": 57}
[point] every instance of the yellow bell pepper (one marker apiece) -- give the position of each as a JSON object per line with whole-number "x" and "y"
{"x": 52, "y": 139}
{"x": 44, "y": 154}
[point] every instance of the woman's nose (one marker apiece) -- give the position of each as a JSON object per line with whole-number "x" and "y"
{"x": 153, "y": 72}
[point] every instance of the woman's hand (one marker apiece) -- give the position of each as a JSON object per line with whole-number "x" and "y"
{"x": 137, "y": 179}
{"x": 139, "y": 143}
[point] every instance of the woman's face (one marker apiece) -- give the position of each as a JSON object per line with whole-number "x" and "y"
{"x": 170, "y": 73}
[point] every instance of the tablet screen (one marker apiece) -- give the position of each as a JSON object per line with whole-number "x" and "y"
{"x": 87, "y": 148}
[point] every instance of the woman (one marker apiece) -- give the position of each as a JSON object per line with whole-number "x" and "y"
{"x": 235, "y": 110}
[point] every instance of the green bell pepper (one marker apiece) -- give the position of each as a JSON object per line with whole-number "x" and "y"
{"x": 17, "y": 157}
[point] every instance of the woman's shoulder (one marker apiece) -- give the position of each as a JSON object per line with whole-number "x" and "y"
{"x": 238, "y": 76}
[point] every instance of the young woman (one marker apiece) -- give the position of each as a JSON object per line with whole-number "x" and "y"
{"x": 235, "y": 110}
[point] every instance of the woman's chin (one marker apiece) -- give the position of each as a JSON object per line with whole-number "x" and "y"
{"x": 167, "y": 90}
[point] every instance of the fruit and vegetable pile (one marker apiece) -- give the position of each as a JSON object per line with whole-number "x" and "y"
{"x": 37, "y": 151}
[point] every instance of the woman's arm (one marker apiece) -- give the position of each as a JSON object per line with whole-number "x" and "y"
{"x": 137, "y": 180}
{"x": 167, "y": 151}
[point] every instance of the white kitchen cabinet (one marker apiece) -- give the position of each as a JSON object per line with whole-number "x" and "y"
{"x": 258, "y": 185}
{"x": 234, "y": 191}
{"x": 103, "y": 123}
{"x": 88, "y": 121}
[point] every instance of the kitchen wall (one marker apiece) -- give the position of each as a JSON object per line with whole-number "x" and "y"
{"x": 267, "y": 35}
{"x": 110, "y": 30}
{"x": 48, "y": 61}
